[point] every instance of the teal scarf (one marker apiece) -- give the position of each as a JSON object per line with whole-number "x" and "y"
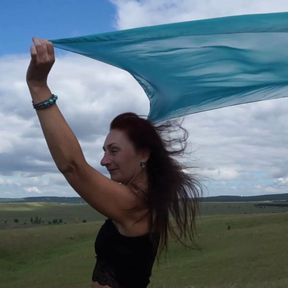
{"x": 199, "y": 65}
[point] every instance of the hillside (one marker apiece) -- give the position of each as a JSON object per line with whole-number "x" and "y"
{"x": 223, "y": 198}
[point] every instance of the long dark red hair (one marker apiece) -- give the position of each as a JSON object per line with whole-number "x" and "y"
{"x": 172, "y": 196}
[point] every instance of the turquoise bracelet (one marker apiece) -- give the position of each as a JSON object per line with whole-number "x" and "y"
{"x": 46, "y": 103}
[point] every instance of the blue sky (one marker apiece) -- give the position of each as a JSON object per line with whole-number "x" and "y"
{"x": 238, "y": 150}
{"x": 21, "y": 20}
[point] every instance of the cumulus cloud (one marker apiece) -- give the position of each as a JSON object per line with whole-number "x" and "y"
{"x": 220, "y": 173}
{"x": 236, "y": 150}
{"x": 137, "y": 13}
{"x": 33, "y": 189}
{"x": 235, "y": 143}
{"x": 282, "y": 181}
{"x": 235, "y": 137}
{"x": 90, "y": 95}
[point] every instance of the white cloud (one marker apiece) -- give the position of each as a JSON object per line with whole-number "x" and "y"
{"x": 90, "y": 95}
{"x": 247, "y": 137}
{"x": 235, "y": 143}
{"x": 220, "y": 173}
{"x": 282, "y": 181}
{"x": 33, "y": 190}
{"x": 271, "y": 189}
{"x": 137, "y": 13}
{"x": 242, "y": 149}
{"x": 5, "y": 181}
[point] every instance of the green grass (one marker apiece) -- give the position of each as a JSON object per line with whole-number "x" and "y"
{"x": 51, "y": 256}
{"x": 231, "y": 208}
{"x": 47, "y": 212}
{"x": 251, "y": 254}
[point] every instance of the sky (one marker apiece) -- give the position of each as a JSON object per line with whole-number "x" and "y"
{"x": 238, "y": 150}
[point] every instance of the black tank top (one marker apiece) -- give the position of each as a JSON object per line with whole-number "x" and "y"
{"x": 123, "y": 262}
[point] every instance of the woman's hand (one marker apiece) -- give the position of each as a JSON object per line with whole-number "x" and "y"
{"x": 42, "y": 60}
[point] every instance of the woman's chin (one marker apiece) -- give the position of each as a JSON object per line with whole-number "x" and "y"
{"x": 116, "y": 179}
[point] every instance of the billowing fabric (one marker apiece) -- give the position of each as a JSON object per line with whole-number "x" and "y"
{"x": 200, "y": 65}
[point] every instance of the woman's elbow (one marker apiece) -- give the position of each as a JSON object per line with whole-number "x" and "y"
{"x": 66, "y": 168}
{"x": 69, "y": 168}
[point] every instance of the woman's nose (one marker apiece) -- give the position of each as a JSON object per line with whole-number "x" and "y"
{"x": 105, "y": 160}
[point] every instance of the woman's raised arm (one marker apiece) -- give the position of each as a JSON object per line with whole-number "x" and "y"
{"x": 106, "y": 196}
{"x": 63, "y": 144}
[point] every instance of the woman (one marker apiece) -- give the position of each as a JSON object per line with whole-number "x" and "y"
{"x": 147, "y": 184}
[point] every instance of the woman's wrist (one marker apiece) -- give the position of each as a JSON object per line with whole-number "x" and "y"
{"x": 39, "y": 93}
{"x": 46, "y": 103}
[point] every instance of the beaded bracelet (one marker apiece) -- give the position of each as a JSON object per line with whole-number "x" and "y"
{"x": 46, "y": 103}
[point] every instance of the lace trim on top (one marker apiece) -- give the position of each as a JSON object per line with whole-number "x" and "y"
{"x": 104, "y": 276}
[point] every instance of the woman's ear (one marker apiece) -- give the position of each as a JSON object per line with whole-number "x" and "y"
{"x": 145, "y": 155}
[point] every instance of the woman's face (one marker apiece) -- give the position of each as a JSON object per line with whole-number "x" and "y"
{"x": 120, "y": 157}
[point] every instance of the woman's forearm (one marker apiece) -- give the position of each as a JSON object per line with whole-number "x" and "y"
{"x": 63, "y": 145}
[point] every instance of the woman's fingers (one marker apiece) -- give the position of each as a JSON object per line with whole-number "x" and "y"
{"x": 42, "y": 60}
{"x": 50, "y": 49}
{"x": 44, "y": 51}
{"x": 40, "y": 50}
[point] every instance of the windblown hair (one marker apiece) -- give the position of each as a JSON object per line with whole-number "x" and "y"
{"x": 172, "y": 196}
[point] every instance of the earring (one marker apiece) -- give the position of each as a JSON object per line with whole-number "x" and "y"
{"x": 142, "y": 164}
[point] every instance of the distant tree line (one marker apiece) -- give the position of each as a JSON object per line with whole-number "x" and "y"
{"x": 263, "y": 205}
{"x": 38, "y": 220}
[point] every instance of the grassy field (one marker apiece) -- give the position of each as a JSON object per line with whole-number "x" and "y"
{"x": 238, "y": 246}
